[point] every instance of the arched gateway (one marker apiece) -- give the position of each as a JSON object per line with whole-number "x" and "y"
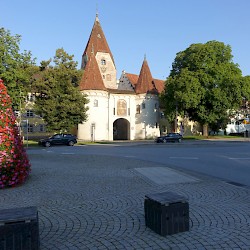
{"x": 121, "y": 129}
{"x": 131, "y": 98}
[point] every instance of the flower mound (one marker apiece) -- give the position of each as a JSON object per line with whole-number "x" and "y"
{"x": 14, "y": 163}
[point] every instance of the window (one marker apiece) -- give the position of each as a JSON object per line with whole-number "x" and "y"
{"x": 30, "y": 128}
{"x": 108, "y": 77}
{"x": 30, "y": 97}
{"x": 29, "y": 113}
{"x": 57, "y": 136}
{"x": 128, "y": 111}
{"x": 17, "y": 113}
{"x": 103, "y": 76}
{"x": 95, "y": 103}
{"x": 41, "y": 128}
{"x": 138, "y": 109}
{"x": 114, "y": 111}
{"x": 103, "y": 62}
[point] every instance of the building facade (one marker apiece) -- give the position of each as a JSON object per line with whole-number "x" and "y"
{"x": 124, "y": 109}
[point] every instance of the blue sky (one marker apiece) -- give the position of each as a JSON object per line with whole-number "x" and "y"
{"x": 133, "y": 28}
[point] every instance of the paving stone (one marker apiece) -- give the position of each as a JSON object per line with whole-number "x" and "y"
{"x": 99, "y": 204}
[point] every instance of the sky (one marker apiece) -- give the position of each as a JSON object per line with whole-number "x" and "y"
{"x": 157, "y": 29}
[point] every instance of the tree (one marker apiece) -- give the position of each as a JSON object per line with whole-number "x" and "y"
{"x": 58, "y": 99}
{"x": 14, "y": 163}
{"x": 203, "y": 84}
{"x": 16, "y": 68}
{"x": 246, "y": 94}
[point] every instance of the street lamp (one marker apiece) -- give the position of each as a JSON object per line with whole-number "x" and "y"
{"x": 26, "y": 122}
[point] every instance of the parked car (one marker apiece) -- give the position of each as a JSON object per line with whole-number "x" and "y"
{"x": 170, "y": 137}
{"x": 59, "y": 139}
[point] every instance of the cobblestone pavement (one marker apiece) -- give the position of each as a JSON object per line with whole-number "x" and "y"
{"x": 97, "y": 202}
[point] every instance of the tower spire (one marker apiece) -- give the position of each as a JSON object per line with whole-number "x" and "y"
{"x": 145, "y": 83}
{"x": 96, "y": 15}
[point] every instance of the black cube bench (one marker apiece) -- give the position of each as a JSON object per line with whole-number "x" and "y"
{"x": 19, "y": 229}
{"x": 166, "y": 213}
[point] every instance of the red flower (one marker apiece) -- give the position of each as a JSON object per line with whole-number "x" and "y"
{"x": 14, "y": 163}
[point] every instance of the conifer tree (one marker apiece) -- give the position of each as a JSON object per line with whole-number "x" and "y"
{"x": 14, "y": 163}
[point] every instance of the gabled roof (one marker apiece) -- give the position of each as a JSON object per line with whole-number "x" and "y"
{"x": 159, "y": 85}
{"x": 145, "y": 82}
{"x": 97, "y": 41}
{"x": 92, "y": 79}
{"x": 132, "y": 78}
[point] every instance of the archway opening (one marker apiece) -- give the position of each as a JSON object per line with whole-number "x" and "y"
{"x": 121, "y": 129}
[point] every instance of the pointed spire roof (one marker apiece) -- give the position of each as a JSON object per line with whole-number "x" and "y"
{"x": 145, "y": 83}
{"x": 92, "y": 79}
{"x": 97, "y": 41}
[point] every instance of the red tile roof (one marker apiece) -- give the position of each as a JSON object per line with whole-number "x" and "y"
{"x": 132, "y": 78}
{"x": 92, "y": 78}
{"x": 159, "y": 84}
{"x": 145, "y": 82}
{"x": 97, "y": 41}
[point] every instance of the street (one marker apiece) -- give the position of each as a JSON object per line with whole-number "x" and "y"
{"x": 92, "y": 196}
{"x": 227, "y": 160}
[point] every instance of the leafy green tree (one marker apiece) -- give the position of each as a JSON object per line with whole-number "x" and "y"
{"x": 16, "y": 68}
{"x": 203, "y": 84}
{"x": 58, "y": 99}
{"x": 246, "y": 93}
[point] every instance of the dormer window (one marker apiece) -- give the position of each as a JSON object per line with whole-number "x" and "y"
{"x": 103, "y": 62}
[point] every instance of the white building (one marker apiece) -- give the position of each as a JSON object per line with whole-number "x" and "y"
{"x": 124, "y": 109}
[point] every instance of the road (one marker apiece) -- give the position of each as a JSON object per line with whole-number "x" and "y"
{"x": 227, "y": 160}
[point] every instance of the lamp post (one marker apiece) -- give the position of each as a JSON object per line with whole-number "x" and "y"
{"x": 176, "y": 118}
{"x": 26, "y": 122}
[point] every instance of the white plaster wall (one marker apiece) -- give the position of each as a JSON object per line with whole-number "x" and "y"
{"x": 97, "y": 116}
{"x": 108, "y": 69}
{"x": 130, "y": 117}
{"x": 142, "y": 126}
{"x": 148, "y": 117}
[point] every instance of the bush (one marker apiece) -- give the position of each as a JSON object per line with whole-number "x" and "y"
{"x": 14, "y": 163}
{"x": 241, "y": 134}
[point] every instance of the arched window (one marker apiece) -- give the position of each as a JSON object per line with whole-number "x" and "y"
{"x": 103, "y": 62}
{"x": 95, "y": 103}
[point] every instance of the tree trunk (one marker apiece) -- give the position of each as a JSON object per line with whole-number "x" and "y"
{"x": 205, "y": 129}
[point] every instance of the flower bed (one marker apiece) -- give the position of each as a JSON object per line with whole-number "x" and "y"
{"x": 14, "y": 162}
